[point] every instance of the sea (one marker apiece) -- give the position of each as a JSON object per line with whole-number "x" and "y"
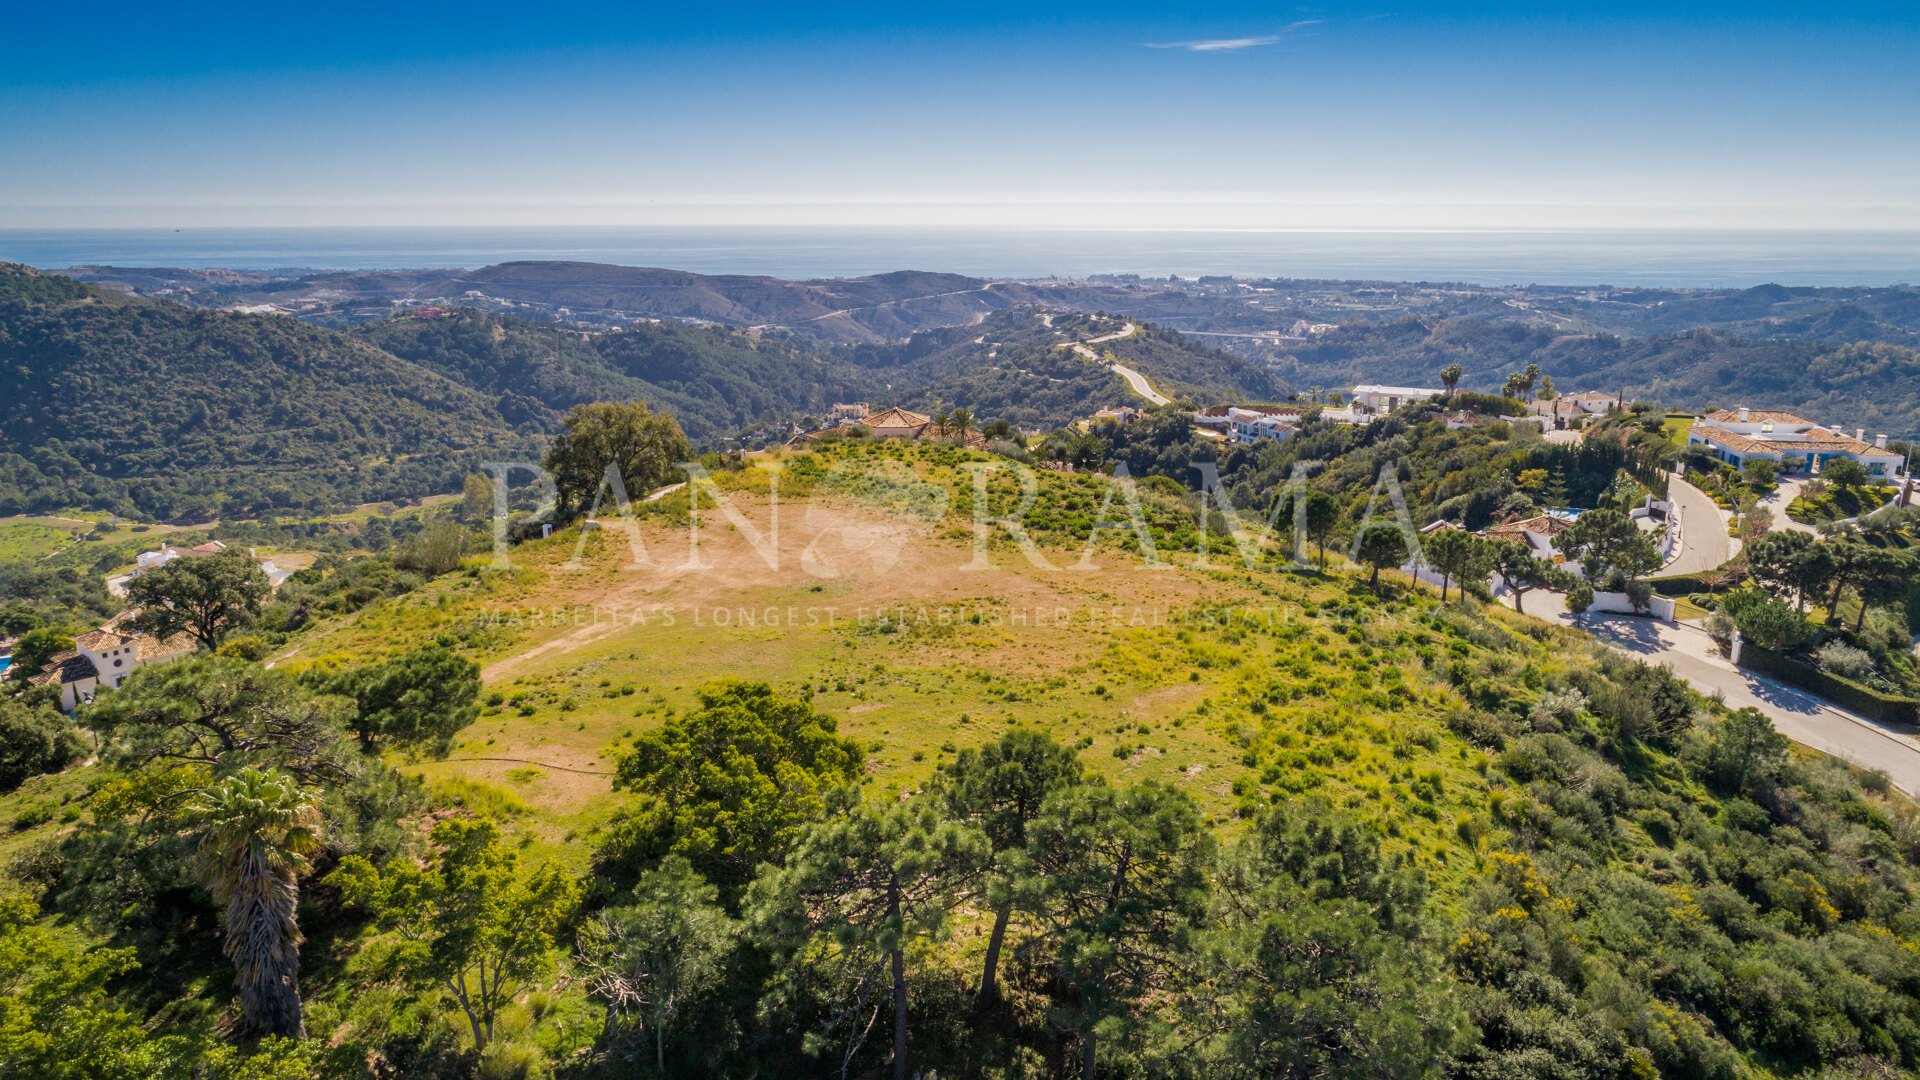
{"x": 1641, "y": 257}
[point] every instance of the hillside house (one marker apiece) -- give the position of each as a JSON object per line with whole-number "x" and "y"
{"x": 1793, "y": 443}
{"x": 1246, "y": 425}
{"x": 101, "y": 659}
{"x": 1536, "y": 532}
{"x": 1384, "y": 399}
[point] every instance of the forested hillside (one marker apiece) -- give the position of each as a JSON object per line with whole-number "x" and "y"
{"x": 1872, "y": 385}
{"x": 152, "y": 407}
{"x": 148, "y": 407}
{"x": 712, "y": 379}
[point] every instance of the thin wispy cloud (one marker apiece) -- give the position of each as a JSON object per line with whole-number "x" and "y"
{"x": 1233, "y": 44}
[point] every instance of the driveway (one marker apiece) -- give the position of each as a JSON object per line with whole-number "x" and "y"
{"x": 1704, "y": 543}
{"x": 1784, "y": 493}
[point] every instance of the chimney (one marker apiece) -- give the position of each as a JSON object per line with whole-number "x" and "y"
{"x": 1743, "y": 414}
{"x": 1860, "y": 434}
{"x": 1880, "y": 442}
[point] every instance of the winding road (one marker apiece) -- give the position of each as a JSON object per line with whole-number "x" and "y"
{"x": 1134, "y": 379}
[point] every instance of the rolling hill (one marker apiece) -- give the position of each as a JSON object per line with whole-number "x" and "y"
{"x": 135, "y": 404}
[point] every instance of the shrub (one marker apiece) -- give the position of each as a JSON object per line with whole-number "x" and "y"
{"x": 1840, "y": 658}
{"x": 33, "y": 741}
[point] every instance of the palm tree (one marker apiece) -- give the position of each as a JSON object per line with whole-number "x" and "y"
{"x": 1450, "y": 378}
{"x": 1529, "y": 378}
{"x": 959, "y": 422}
{"x": 256, "y": 831}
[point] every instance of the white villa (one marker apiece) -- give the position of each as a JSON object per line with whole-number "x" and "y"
{"x": 100, "y": 659}
{"x": 1385, "y": 399}
{"x": 1251, "y": 425}
{"x": 1795, "y": 444}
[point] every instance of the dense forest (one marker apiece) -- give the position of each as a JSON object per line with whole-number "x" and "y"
{"x": 149, "y": 407}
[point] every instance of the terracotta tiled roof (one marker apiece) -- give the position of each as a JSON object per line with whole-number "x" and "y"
{"x": 63, "y": 668}
{"x": 898, "y": 418}
{"x": 1745, "y": 444}
{"x": 1757, "y": 416}
{"x": 1544, "y": 524}
{"x": 100, "y": 639}
{"x": 1817, "y": 439}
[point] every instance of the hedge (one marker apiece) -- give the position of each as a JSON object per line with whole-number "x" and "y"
{"x": 1868, "y": 702}
{"x": 1682, "y": 584}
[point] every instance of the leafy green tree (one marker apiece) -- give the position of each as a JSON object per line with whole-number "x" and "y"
{"x": 1120, "y": 881}
{"x": 1765, "y": 620}
{"x": 422, "y": 698}
{"x": 1882, "y": 576}
{"x": 470, "y": 923}
{"x": 256, "y": 831}
{"x": 437, "y": 549}
{"x": 1000, "y": 787}
{"x": 1321, "y": 517}
{"x": 644, "y": 447}
{"x": 1316, "y": 967}
{"x": 732, "y": 784}
{"x": 1743, "y": 750}
{"x": 1790, "y": 562}
{"x": 35, "y": 648}
{"x": 1459, "y": 556}
{"x": 57, "y": 1019}
{"x": 1520, "y": 570}
{"x": 209, "y": 597}
{"x": 1450, "y": 377}
{"x": 862, "y": 888}
{"x": 959, "y": 423}
{"x": 476, "y": 499}
{"x": 219, "y": 713}
{"x": 34, "y": 739}
{"x": 1606, "y": 543}
{"x": 1380, "y": 545}
{"x": 1844, "y": 473}
{"x": 658, "y": 953}
{"x": 1760, "y": 472}
{"x": 16, "y": 619}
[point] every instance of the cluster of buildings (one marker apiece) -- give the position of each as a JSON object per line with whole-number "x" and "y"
{"x": 101, "y": 659}
{"x": 1793, "y": 444}
{"x": 1366, "y": 402}
{"x": 149, "y": 561}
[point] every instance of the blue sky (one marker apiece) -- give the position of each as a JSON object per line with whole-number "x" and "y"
{"x": 1228, "y": 116}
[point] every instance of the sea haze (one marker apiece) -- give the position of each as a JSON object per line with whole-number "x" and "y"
{"x": 1626, "y": 257}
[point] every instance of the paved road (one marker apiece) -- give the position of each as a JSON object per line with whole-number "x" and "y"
{"x": 1140, "y": 385}
{"x": 1800, "y": 716}
{"x": 1134, "y": 379}
{"x": 1704, "y": 543}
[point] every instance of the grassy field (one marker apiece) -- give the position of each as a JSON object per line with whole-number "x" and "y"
{"x": 1676, "y": 428}
{"x": 27, "y": 538}
{"x": 1238, "y": 687}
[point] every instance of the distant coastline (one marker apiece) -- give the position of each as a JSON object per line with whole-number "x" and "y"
{"x": 1644, "y": 258}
